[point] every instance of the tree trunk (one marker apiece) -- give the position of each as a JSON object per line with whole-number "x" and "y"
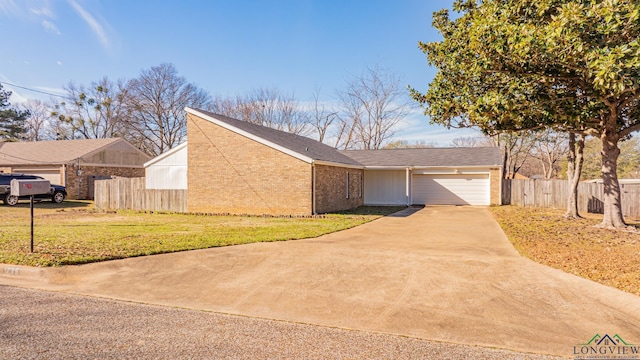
{"x": 574, "y": 170}
{"x": 612, "y": 198}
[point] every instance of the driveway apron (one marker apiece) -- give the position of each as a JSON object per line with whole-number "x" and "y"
{"x": 440, "y": 273}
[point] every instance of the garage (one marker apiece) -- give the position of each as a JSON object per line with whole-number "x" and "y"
{"x": 450, "y": 189}
{"x": 51, "y": 174}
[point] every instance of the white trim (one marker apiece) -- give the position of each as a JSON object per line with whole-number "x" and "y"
{"x": 22, "y": 169}
{"x": 313, "y": 189}
{"x": 413, "y": 167}
{"x": 387, "y": 167}
{"x": 407, "y": 189}
{"x": 347, "y": 185}
{"x": 249, "y": 135}
{"x": 165, "y": 154}
{"x": 451, "y": 171}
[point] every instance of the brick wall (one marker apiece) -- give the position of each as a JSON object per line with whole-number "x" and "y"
{"x": 229, "y": 173}
{"x": 331, "y": 188}
{"x": 495, "y": 179}
{"x": 72, "y": 180}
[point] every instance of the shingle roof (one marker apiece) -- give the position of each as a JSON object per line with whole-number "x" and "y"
{"x": 428, "y": 157}
{"x": 301, "y": 145}
{"x": 50, "y": 152}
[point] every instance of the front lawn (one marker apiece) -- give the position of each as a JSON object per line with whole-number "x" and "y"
{"x": 75, "y": 233}
{"x": 609, "y": 257}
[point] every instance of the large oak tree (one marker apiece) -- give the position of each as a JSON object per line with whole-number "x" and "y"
{"x": 569, "y": 65}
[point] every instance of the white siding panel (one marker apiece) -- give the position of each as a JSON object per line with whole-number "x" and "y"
{"x": 169, "y": 172}
{"x": 177, "y": 159}
{"x": 166, "y": 177}
{"x": 385, "y": 187}
{"x": 453, "y": 189}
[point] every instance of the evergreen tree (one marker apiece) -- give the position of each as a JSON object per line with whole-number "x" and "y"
{"x": 12, "y": 121}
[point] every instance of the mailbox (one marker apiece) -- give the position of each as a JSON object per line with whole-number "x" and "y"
{"x": 30, "y": 187}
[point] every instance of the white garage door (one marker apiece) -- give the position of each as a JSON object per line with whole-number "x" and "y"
{"x": 472, "y": 189}
{"x": 53, "y": 175}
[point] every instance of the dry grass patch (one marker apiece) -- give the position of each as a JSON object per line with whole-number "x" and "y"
{"x": 609, "y": 257}
{"x": 75, "y": 233}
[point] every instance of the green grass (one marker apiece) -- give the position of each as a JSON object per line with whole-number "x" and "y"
{"x": 75, "y": 233}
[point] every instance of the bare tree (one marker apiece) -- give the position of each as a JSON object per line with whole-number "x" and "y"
{"x": 472, "y": 141}
{"x": 371, "y": 105}
{"x": 404, "y": 144}
{"x": 347, "y": 126}
{"x": 276, "y": 110}
{"x": 156, "y": 102}
{"x": 267, "y": 107}
{"x": 321, "y": 117}
{"x": 97, "y": 111}
{"x": 234, "y": 107}
{"x": 549, "y": 148}
{"x": 38, "y": 124}
{"x": 516, "y": 149}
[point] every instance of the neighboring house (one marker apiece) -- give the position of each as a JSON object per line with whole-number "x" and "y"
{"x": 431, "y": 176}
{"x": 232, "y": 166}
{"x": 168, "y": 170}
{"x": 75, "y": 164}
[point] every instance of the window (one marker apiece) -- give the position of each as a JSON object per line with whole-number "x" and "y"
{"x": 347, "y": 185}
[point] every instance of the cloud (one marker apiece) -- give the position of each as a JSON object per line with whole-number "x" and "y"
{"x": 97, "y": 28}
{"x": 9, "y": 7}
{"x": 59, "y": 63}
{"x": 51, "y": 27}
{"x": 43, "y": 11}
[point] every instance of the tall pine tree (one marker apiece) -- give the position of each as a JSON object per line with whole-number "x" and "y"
{"x": 12, "y": 121}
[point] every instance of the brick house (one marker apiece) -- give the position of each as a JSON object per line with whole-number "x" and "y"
{"x": 241, "y": 168}
{"x": 75, "y": 164}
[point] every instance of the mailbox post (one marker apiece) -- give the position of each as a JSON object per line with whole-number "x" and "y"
{"x": 30, "y": 188}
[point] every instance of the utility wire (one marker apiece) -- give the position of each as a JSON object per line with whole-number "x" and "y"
{"x": 35, "y": 90}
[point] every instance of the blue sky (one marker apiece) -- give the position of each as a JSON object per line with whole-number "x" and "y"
{"x": 225, "y": 47}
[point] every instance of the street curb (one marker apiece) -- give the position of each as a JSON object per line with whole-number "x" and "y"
{"x": 20, "y": 272}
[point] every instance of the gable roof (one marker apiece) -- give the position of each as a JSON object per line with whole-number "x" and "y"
{"x": 300, "y": 147}
{"x": 428, "y": 157}
{"x": 52, "y": 152}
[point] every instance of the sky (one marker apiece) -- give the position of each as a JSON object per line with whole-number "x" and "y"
{"x": 225, "y": 47}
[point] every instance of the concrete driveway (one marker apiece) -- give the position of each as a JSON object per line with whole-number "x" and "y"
{"x": 438, "y": 273}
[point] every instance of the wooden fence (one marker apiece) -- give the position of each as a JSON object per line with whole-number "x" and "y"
{"x": 554, "y": 194}
{"x": 130, "y": 193}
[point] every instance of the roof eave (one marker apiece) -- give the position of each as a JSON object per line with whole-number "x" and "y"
{"x": 402, "y": 167}
{"x": 337, "y": 164}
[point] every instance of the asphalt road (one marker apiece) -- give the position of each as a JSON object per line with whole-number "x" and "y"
{"x": 37, "y": 324}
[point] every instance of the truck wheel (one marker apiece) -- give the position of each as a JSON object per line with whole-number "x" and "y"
{"x": 57, "y": 197}
{"x": 10, "y": 200}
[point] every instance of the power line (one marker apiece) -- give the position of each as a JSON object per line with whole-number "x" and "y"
{"x": 34, "y": 90}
